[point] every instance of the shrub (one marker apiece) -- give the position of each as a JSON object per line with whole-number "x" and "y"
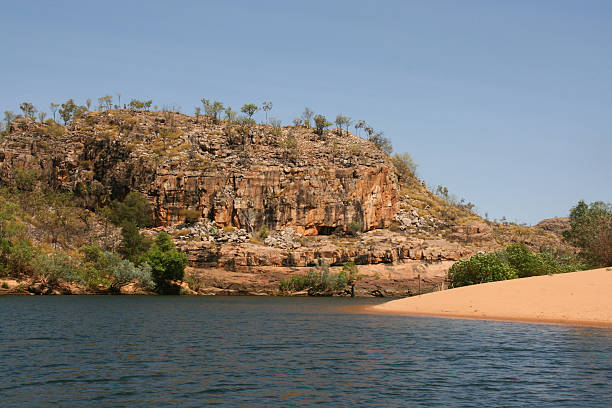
{"x": 55, "y": 267}
{"x": 355, "y": 227}
{"x": 263, "y": 232}
{"x": 25, "y": 180}
{"x": 123, "y": 272}
{"x": 404, "y": 165}
{"x": 320, "y": 124}
{"x": 191, "y": 216}
{"x": 480, "y": 268}
{"x": 321, "y": 280}
{"x": 167, "y": 263}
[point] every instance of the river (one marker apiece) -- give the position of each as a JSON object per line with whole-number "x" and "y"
{"x": 105, "y": 351}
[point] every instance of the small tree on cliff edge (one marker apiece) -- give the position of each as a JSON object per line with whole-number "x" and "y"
{"x": 320, "y": 124}
{"x": 249, "y": 109}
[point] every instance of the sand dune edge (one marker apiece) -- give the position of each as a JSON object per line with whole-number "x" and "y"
{"x": 576, "y": 298}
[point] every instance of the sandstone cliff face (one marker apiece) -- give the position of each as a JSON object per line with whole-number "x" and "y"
{"x": 247, "y": 176}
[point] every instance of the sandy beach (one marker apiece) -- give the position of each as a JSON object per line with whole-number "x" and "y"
{"x": 582, "y": 298}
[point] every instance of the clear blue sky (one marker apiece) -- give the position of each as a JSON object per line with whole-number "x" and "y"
{"x": 508, "y": 104}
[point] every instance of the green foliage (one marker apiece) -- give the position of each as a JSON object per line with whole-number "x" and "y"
{"x": 591, "y": 231}
{"x": 9, "y": 117}
{"x": 133, "y": 243}
{"x": 212, "y": 109}
{"x": 249, "y": 109}
{"x": 108, "y": 269}
{"x": 355, "y": 227}
{"x": 105, "y": 102}
{"x": 29, "y": 111}
{"x": 167, "y": 263}
{"x": 404, "y": 165}
{"x": 263, "y": 232}
{"x": 480, "y": 268}
{"x": 320, "y": 124}
{"x": 191, "y": 216}
{"x": 321, "y": 281}
{"x": 55, "y": 267}
{"x": 136, "y": 104}
{"x": 123, "y": 272}
{"x": 67, "y": 111}
{"x": 343, "y": 121}
{"x": 516, "y": 261}
{"x": 134, "y": 208}
{"x": 25, "y": 180}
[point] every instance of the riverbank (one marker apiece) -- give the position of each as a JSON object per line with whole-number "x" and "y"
{"x": 577, "y": 298}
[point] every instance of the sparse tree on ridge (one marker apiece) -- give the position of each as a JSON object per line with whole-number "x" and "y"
{"x": 212, "y": 108}
{"x": 307, "y": 116}
{"x": 41, "y": 116}
{"x": 67, "y": 111}
{"x": 9, "y": 117}
{"x": 297, "y": 122}
{"x": 341, "y": 121}
{"x": 320, "y": 124}
{"x": 105, "y": 102}
{"x": 266, "y": 106}
{"x": 118, "y": 99}
{"x": 198, "y": 110}
{"x": 230, "y": 114}
{"x": 29, "y": 111}
{"x": 359, "y": 125}
{"x": 249, "y": 109}
{"x": 88, "y": 103}
{"x": 53, "y": 108}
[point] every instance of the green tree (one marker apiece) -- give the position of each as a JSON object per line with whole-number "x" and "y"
{"x": 341, "y": 121}
{"x": 404, "y": 165}
{"x": 320, "y": 124}
{"x": 167, "y": 263}
{"x": 67, "y": 111}
{"x": 133, "y": 243}
{"x": 9, "y": 117}
{"x": 249, "y": 109}
{"x": 591, "y": 231}
{"x": 134, "y": 208}
{"x": 29, "y": 111}
{"x": 212, "y": 109}
{"x": 198, "y": 110}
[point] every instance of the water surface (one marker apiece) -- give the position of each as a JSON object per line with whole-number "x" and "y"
{"x": 258, "y": 351}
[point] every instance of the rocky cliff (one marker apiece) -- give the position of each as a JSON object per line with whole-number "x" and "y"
{"x": 220, "y": 188}
{"x": 247, "y": 176}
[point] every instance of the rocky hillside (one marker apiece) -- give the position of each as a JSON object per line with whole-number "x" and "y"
{"x": 246, "y": 176}
{"x": 253, "y": 203}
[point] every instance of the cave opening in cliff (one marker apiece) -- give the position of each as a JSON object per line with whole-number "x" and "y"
{"x": 325, "y": 230}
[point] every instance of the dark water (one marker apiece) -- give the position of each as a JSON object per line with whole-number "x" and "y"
{"x": 171, "y": 351}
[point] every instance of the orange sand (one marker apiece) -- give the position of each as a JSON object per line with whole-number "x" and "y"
{"x": 583, "y": 298}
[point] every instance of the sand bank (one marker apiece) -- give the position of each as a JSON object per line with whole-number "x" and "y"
{"x": 583, "y": 298}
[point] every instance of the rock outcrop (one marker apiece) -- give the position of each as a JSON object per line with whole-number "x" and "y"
{"x": 246, "y": 176}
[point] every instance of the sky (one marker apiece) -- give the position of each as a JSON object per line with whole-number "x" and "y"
{"x": 507, "y": 104}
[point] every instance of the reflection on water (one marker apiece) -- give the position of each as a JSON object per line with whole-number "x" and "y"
{"x": 183, "y": 351}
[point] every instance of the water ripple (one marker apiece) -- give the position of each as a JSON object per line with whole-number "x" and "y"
{"x": 170, "y": 351}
